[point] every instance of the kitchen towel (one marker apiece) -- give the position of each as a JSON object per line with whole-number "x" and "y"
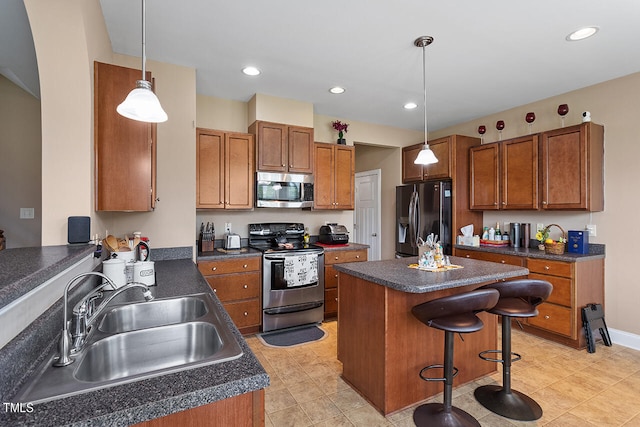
{"x": 300, "y": 270}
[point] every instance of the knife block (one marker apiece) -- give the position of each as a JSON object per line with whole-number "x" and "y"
{"x": 205, "y": 245}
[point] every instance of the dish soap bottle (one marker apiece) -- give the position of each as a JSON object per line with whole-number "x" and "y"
{"x": 306, "y": 235}
{"x": 485, "y": 233}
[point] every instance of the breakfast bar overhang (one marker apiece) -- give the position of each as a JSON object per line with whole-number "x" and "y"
{"x": 383, "y": 347}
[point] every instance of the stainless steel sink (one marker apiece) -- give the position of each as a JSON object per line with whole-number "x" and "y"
{"x": 111, "y": 358}
{"x": 138, "y": 352}
{"x": 132, "y": 317}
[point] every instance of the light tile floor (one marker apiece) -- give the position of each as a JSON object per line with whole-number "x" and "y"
{"x": 574, "y": 388}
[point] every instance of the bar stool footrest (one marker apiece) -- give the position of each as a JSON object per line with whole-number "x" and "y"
{"x": 427, "y": 368}
{"x": 482, "y": 356}
{"x": 513, "y": 404}
{"x": 435, "y": 415}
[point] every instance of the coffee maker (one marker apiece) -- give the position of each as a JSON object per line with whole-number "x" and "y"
{"x": 519, "y": 234}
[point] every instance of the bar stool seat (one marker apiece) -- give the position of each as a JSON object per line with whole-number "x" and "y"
{"x": 518, "y": 299}
{"x": 452, "y": 314}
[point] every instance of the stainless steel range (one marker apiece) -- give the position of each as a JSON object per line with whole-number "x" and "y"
{"x": 292, "y": 275}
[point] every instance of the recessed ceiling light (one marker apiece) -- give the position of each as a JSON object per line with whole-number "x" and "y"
{"x": 251, "y": 71}
{"x": 582, "y": 33}
{"x": 337, "y": 90}
{"x": 410, "y": 105}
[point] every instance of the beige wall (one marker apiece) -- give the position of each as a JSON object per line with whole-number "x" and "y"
{"x": 613, "y": 104}
{"x": 20, "y": 171}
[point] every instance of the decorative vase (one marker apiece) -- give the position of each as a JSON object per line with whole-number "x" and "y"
{"x": 541, "y": 247}
{"x": 342, "y": 141}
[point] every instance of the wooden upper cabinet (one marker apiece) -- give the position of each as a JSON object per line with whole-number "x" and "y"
{"x": 441, "y": 148}
{"x": 504, "y": 175}
{"x": 125, "y": 149}
{"x": 410, "y": 171}
{"x": 572, "y": 168}
{"x": 334, "y": 177}
{"x": 519, "y": 173}
{"x": 283, "y": 148}
{"x": 225, "y": 169}
{"x": 484, "y": 177}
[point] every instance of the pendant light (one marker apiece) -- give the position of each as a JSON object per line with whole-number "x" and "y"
{"x": 142, "y": 104}
{"x": 425, "y": 156}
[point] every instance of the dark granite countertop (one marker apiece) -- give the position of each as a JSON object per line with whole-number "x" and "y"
{"x": 596, "y": 251}
{"x": 347, "y": 247}
{"x": 220, "y": 253}
{"x": 131, "y": 403}
{"x": 22, "y": 269}
{"x": 397, "y": 275}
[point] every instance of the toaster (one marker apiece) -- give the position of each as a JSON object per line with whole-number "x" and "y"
{"x": 231, "y": 241}
{"x": 333, "y": 234}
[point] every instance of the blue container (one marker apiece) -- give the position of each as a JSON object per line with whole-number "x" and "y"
{"x": 578, "y": 242}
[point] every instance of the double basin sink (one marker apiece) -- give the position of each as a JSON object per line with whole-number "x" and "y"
{"x": 137, "y": 341}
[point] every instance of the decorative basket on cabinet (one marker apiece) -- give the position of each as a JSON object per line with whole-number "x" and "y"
{"x": 557, "y": 247}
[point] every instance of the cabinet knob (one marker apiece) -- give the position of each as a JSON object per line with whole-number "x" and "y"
{"x": 544, "y": 203}
{"x": 245, "y": 286}
{"x": 336, "y": 298}
{"x": 244, "y": 266}
{"x": 214, "y": 268}
{"x": 495, "y": 203}
{"x": 336, "y": 258}
{"x": 215, "y": 290}
{"x": 336, "y": 275}
{"x": 246, "y": 314}
{"x": 504, "y": 203}
{"x": 282, "y": 165}
{"x": 546, "y": 317}
{"x": 357, "y": 256}
{"x": 502, "y": 261}
{"x": 546, "y": 267}
{"x": 467, "y": 256}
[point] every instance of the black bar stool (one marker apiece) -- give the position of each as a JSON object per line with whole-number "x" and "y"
{"x": 455, "y": 313}
{"x": 518, "y": 298}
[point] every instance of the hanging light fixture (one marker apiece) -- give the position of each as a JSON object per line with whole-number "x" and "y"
{"x": 142, "y": 104}
{"x": 425, "y": 156}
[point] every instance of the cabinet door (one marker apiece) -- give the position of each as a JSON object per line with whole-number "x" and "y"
{"x": 210, "y": 169}
{"x": 272, "y": 147}
{"x": 410, "y": 171}
{"x": 324, "y": 177}
{"x": 344, "y": 177}
{"x": 484, "y": 191}
{"x": 300, "y": 149}
{"x": 125, "y": 153}
{"x": 520, "y": 173}
{"x": 442, "y": 150}
{"x": 239, "y": 171}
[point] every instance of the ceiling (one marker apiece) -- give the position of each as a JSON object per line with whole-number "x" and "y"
{"x": 487, "y": 56}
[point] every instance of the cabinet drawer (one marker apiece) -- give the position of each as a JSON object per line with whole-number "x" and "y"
{"x": 545, "y": 266}
{"x": 330, "y": 277}
{"x": 245, "y": 313}
{"x": 229, "y": 287}
{"x": 331, "y": 301}
{"x": 235, "y": 265}
{"x": 339, "y": 257}
{"x": 553, "y": 318}
{"x": 491, "y": 257}
{"x": 561, "y": 293}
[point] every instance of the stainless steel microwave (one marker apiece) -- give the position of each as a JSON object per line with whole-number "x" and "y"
{"x": 284, "y": 190}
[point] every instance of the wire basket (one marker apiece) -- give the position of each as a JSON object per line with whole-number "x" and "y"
{"x": 555, "y": 248}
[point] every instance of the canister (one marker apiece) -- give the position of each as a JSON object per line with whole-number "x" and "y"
{"x": 115, "y": 270}
{"x": 144, "y": 272}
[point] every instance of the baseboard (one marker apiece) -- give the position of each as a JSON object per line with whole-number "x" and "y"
{"x": 625, "y": 339}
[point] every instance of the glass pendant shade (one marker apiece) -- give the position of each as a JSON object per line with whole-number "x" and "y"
{"x": 425, "y": 156}
{"x": 142, "y": 104}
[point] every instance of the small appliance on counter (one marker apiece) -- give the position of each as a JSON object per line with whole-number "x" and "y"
{"x": 334, "y": 234}
{"x": 231, "y": 241}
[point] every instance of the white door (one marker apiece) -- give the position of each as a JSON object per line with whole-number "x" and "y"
{"x": 366, "y": 216}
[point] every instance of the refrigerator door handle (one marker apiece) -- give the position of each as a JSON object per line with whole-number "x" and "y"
{"x": 414, "y": 219}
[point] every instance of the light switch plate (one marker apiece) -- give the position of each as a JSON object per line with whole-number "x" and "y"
{"x": 592, "y": 229}
{"x": 227, "y": 227}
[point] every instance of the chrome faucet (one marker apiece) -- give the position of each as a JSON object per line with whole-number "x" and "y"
{"x": 85, "y": 314}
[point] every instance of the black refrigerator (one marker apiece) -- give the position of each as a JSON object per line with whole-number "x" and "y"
{"x": 422, "y": 209}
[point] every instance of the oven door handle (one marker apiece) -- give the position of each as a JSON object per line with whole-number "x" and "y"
{"x": 294, "y": 308}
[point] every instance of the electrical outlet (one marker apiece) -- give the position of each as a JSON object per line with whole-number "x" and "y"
{"x": 539, "y": 227}
{"x": 227, "y": 227}
{"x": 592, "y": 229}
{"x": 27, "y": 213}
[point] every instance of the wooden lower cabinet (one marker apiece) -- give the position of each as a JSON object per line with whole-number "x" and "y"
{"x": 237, "y": 283}
{"x": 575, "y": 284}
{"x": 331, "y": 257}
{"x": 245, "y": 410}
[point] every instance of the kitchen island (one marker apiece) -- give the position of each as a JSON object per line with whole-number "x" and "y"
{"x": 383, "y": 347}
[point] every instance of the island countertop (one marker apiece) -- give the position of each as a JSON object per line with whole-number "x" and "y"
{"x": 397, "y": 275}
